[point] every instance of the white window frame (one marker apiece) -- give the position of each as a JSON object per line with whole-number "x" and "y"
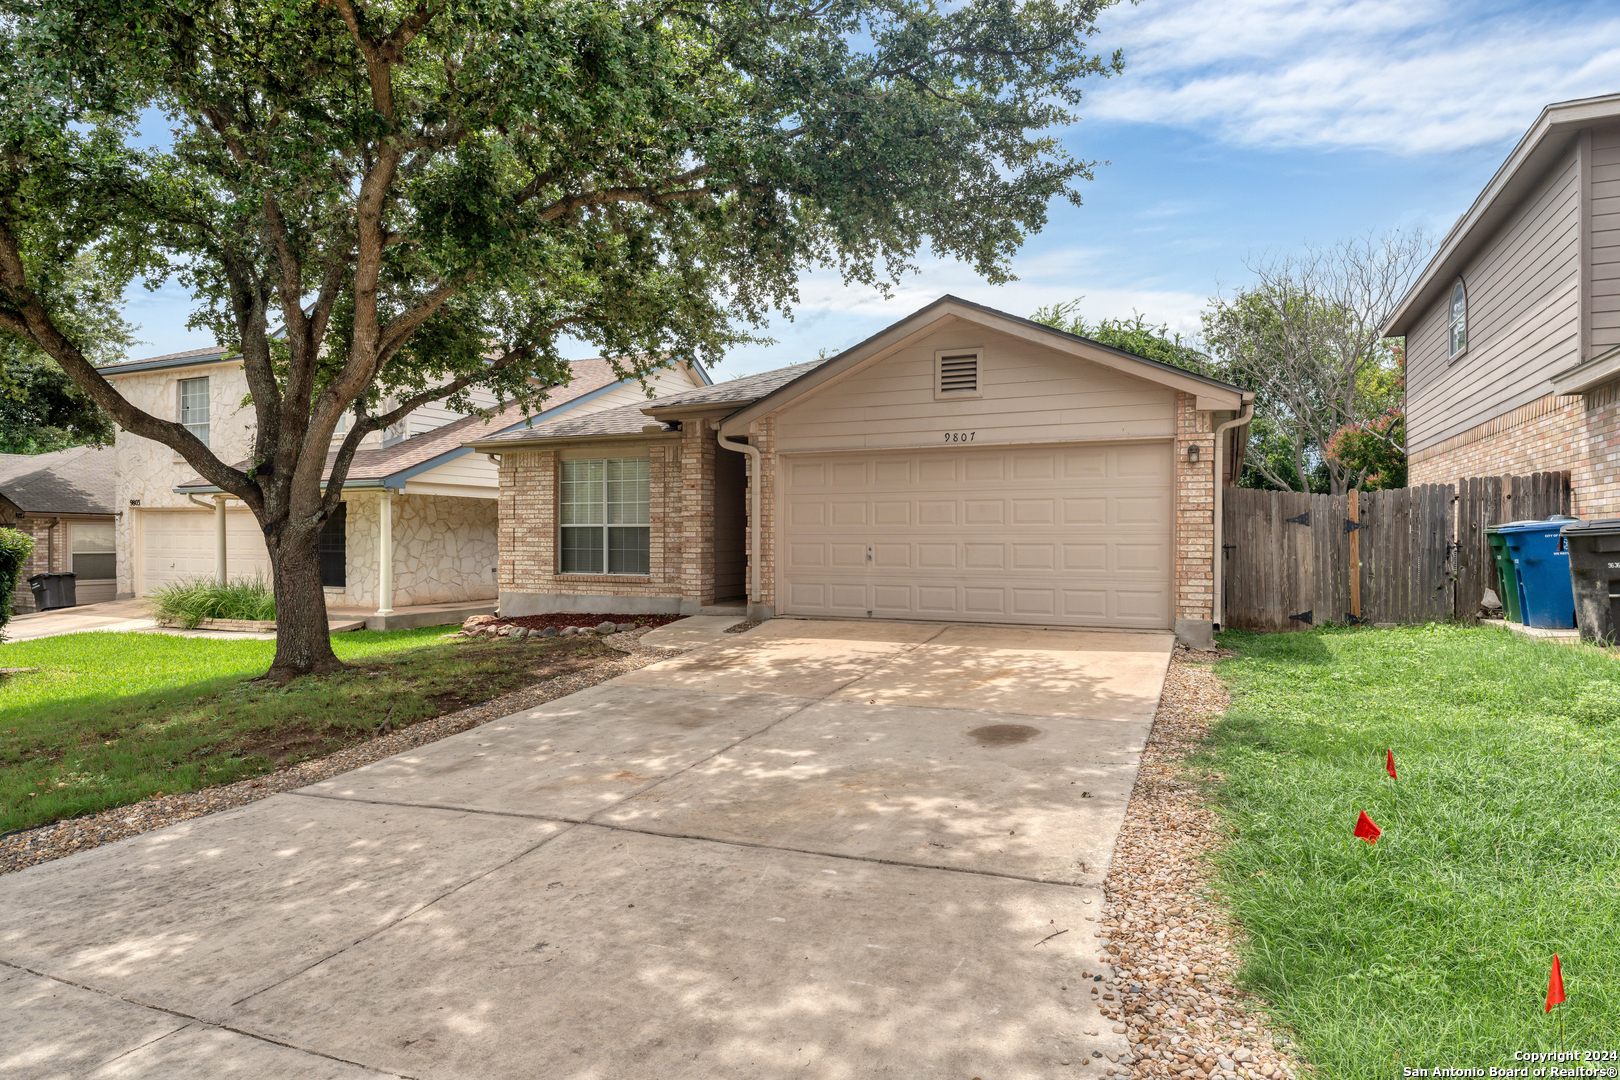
{"x": 602, "y": 510}
{"x": 1456, "y": 321}
{"x": 940, "y": 393}
{"x": 77, "y": 530}
{"x": 197, "y": 427}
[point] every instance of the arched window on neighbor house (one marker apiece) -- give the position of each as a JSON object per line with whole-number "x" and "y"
{"x": 1459, "y": 320}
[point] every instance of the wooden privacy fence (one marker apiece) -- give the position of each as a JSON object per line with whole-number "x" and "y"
{"x": 1412, "y": 555}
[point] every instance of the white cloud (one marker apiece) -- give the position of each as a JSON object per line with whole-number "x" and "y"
{"x": 1409, "y": 77}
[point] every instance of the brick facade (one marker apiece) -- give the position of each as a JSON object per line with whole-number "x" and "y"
{"x": 1194, "y": 513}
{"x": 764, "y": 437}
{"x": 50, "y": 553}
{"x": 1575, "y": 433}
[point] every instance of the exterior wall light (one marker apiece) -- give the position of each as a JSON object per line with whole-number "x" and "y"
{"x": 1192, "y": 454}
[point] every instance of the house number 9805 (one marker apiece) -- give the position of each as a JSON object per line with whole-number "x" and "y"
{"x": 960, "y": 436}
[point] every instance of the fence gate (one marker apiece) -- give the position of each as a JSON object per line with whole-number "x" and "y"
{"x": 1411, "y": 555}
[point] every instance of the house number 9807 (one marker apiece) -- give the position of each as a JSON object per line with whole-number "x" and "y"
{"x": 960, "y": 436}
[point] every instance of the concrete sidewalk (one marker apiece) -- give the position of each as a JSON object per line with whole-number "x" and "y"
{"x": 823, "y": 849}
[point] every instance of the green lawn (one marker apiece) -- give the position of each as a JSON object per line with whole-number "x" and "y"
{"x": 109, "y": 719}
{"x": 1501, "y": 841}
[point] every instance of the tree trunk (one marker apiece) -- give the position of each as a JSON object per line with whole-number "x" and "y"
{"x": 303, "y": 642}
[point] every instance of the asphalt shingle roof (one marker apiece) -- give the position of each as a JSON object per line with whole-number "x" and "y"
{"x": 630, "y": 419}
{"x": 383, "y": 462}
{"x": 74, "y": 481}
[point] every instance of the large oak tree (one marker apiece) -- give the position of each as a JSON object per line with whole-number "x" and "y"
{"x": 384, "y": 204}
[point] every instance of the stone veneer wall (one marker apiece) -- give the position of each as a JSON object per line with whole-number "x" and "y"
{"x": 1577, "y": 433}
{"x": 1194, "y": 513}
{"x": 528, "y": 526}
{"x": 445, "y": 549}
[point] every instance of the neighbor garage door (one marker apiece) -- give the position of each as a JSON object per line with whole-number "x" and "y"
{"x": 179, "y": 546}
{"x": 1061, "y": 536}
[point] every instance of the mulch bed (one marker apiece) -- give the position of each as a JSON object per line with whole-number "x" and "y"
{"x": 31, "y": 846}
{"x": 1172, "y": 944}
{"x": 560, "y": 619}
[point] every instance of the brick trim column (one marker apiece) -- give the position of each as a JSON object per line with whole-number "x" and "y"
{"x": 1194, "y": 524}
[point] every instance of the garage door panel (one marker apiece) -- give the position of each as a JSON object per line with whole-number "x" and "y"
{"x": 179, "y": 546}
{"x": 891, "y": 472}
{"x": 1087, "y": 604}
{"x": 983, "y": 467}
{"x": 1070, "y": 536}
{"x": 984, "y": 512}
{"x": 1033, "y": 602}
{"x": 1034, "y": 511}
{"x": 1137, "y": 511}
{"x": 846, "y": 556}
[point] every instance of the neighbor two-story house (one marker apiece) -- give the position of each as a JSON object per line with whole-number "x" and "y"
{"x": 417, "y": 525}
{"x": 1513, "y": 331}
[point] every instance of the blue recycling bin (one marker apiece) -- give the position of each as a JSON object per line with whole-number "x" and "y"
{"x": 1546, "y": 597}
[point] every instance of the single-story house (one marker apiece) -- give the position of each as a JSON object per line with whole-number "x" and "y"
{"x": 1513, "y": 329}
{"x": 962, "y": 465}
{"x": 64, "y": 500}
{"x": 415, "y": 491}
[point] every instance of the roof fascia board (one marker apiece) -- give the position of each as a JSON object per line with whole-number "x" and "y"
{"x": 1540, "y": 146}
{"x": 1211, "y": 395}
{"x": 551, "y": 441}
{"x": 704, "y": 411}
{"x": 113, "y": 371}
{"x": 1594, "y": 372}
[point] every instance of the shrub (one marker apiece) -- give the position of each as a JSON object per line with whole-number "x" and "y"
{"x": 15, "y": 547}
{"x": 188, "y": 603}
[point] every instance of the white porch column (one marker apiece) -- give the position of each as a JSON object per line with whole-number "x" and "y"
{"x": 219, "y": 539}
{"x": 385, "y": 554}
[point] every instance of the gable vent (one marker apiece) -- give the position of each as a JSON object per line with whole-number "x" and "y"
{"x": 959, "y": 374}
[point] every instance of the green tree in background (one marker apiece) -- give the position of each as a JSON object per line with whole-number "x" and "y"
{"x": 40, "y": 407}
{"x": 384, "y": 203}
{"x": 1307, "y": 339}
{"x": 1134, "y": 335}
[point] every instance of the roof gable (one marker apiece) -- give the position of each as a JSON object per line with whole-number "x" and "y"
{"x": 1211, "y": 393}
{"x": 1536, "y": 153}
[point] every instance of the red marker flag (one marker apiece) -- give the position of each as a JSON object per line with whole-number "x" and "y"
{"x": 1367, "y": 829}
{"x": 1389, "y": 764}
{"x": 1555, "y": 986}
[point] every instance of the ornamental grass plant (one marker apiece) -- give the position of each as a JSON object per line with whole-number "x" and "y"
{"x": 188, "y": 603}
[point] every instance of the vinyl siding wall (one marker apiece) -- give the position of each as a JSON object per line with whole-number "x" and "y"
{"x": 1523, "y": 318}
{"x": 1605, "y": 239}
{"x": 1030, "y": 394}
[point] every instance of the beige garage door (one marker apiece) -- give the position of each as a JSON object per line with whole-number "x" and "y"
{"x": 1062, "y": 536}
{"x": 179, "y": 546}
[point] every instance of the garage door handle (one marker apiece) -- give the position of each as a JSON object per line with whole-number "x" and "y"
{"x": 868, "y": 552}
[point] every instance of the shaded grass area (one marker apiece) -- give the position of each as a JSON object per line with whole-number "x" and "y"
{"x": 109, "y": 719}
{"x": 1501, "y": 841}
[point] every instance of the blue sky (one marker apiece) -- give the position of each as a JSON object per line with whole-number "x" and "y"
{"x": 1238, "y": 127}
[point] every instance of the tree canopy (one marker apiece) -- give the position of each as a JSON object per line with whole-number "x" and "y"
{"x": 380, "y": 205}
{"x": 1134, "y": 335}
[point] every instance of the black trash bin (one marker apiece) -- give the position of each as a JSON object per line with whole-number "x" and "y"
{"x": 1594, "y": 573}
{"x": 53, "y": 590}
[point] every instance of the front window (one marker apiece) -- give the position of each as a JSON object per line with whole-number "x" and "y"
{"x": 606, "y": 517}
{"x": 1459, "y": 319}
{"x": 93, "y": 552}
{"x": 335, "y": 548}
{"x": 194, "y": 407}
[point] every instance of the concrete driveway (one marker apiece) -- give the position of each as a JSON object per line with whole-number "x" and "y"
{"x": 826, "y": 849}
